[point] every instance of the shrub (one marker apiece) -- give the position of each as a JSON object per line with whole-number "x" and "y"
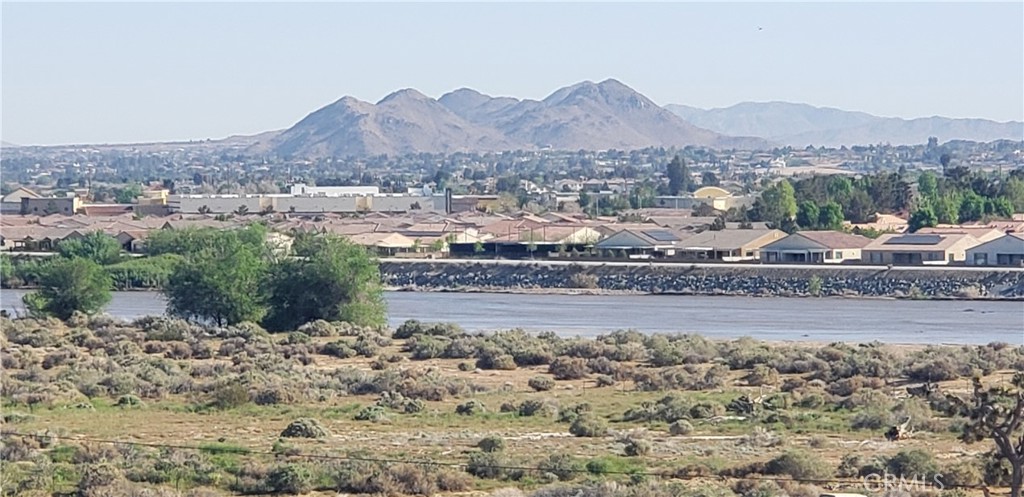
{"x": 425, "y": 347}
{"x": 96, "y": 477}
{"x": 534, "y": 407}
{"x": 366, "y": 347}
{"x": 680, "y": 427}
{"x": 338, "y": 348}
{"x": 705, "y": 410}
{"x": 229, "y": 396}
{"x": 568, "y": 368}
{"x": 319, "y": 328}
{"x": 372, "y": 413}
{"x": 604, "y": 381}
{"x": 800, "y": 465}
{"x": 452, "y": 481}
{"x": 915, "y": 463}
{"x": 563, "y": 466}
{"x": 412, "y": 479}
{"x": 305, "y": 428}
{"x": 541, "y": 383}
{"x": 762, "y": 375}
{"x": 492, "y": 358}
{"x": 588, "y": 425}
{"x": 968, "y": 474}
{"x": 487, "y": 465}
{"x": 940, "y": 369}
{"x": 570, "y": 413}
{"x": 129, "y": 401}
{"x": 470, "y": 407}
{"x": 408, "y": 329}
{"x": 491, "y": 444}
{"x": 636, "y": 446}
{"x": 273, "y": 395}
{"x": 291, "y": 479}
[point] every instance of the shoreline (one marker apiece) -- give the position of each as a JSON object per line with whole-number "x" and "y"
{"x": 496, "y": 290}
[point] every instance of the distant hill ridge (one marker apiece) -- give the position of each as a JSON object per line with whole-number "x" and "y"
{"x": 800, "y": 125}
{"x": 587, "y": 115}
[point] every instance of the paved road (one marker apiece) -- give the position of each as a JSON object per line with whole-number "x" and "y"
{"x": 552, "y": 262}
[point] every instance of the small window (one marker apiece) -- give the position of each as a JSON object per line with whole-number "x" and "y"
{"x": 839, "y": 254}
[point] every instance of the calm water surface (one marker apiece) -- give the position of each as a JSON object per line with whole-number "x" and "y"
{"x": 854, "y": 320}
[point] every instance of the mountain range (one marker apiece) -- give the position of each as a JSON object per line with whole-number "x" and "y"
{"x": 587, "y": 115}
{"x": 800, "y": 125}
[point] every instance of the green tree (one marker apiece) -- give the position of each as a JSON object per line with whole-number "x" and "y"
{"x": 928, "y": 184}
{"x": 999, "y": 207}
{"x": 69, "y": 285}
{"x": 947, "y": 209}
{"x": 807, "y": 215}
{"x": 777, "y": 204}
{"x": 678, "y": 176}
{"x": 923, "y": 217}
{"x": 830, "y": 217}
{"x": 95, "y": 246}
{"x": 972, "y": 207}
{"x": 1013, "y": 190}
{"x": 222, "y": 280}
{"x": 127, "y": 194}
{"x": 330, "y": 279}
{"x": 709, "y": 178}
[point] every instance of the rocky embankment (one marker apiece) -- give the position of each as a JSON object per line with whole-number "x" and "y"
{"x": 705, "y": 280}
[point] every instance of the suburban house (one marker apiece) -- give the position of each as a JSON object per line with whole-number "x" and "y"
{"x": 11, "y": 203}
{"x": 815, "y": 247}
{"x": 133, "y": 241}
{"x": 1007, "y": 250}
{"x": 917, "y": 248}
{"x": 728, "y": 245}
{"x": 43, "y": 206}
{"x": 657, "y": 242}
{"x": 980, "y": 233}
{"x": 386, "y": 244}
{"x": 712, "y": 196}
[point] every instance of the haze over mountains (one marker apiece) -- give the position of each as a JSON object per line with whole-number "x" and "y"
{"x": 800, "y": 125}
{"x": 583, "y": 116}
{"x": 587, "y": 115}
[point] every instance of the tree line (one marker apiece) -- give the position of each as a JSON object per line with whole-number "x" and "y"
{"x": 959, "y": 195}
{"x": 224, "y": 277}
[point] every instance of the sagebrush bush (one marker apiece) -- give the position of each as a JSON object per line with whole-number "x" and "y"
{"x": 289, "y": 479}
{"x": 568, "y": 368}
{"x": 491, "y": 444}
{"x": 372, "y": 413}
{"x": 563, "y": 466}
{"x": 470, "y": 408}
{"x": 800, "y": 465}
{"x": 305, "y": 428}
{"x": 538, "y": 407}
{"x": 588, "y": 425}
{"x": 486, "y": 465}
{"x": 635, "y": 445}
{"x": 229, "y": 396}
{"x": 680, "y": 427}
{"x": 914, "y": 463}
{"x": 541, "y": 383}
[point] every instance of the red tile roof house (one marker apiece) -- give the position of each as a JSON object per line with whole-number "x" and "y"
{"x": 815, "y": 247}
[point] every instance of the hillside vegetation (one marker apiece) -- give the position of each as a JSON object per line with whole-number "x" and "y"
{"x": 94, "y": 406}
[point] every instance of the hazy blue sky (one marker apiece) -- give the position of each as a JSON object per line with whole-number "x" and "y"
{"x": 123, "y": 72}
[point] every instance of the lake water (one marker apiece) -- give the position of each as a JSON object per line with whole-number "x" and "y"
{"x": 824, "y": 320}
